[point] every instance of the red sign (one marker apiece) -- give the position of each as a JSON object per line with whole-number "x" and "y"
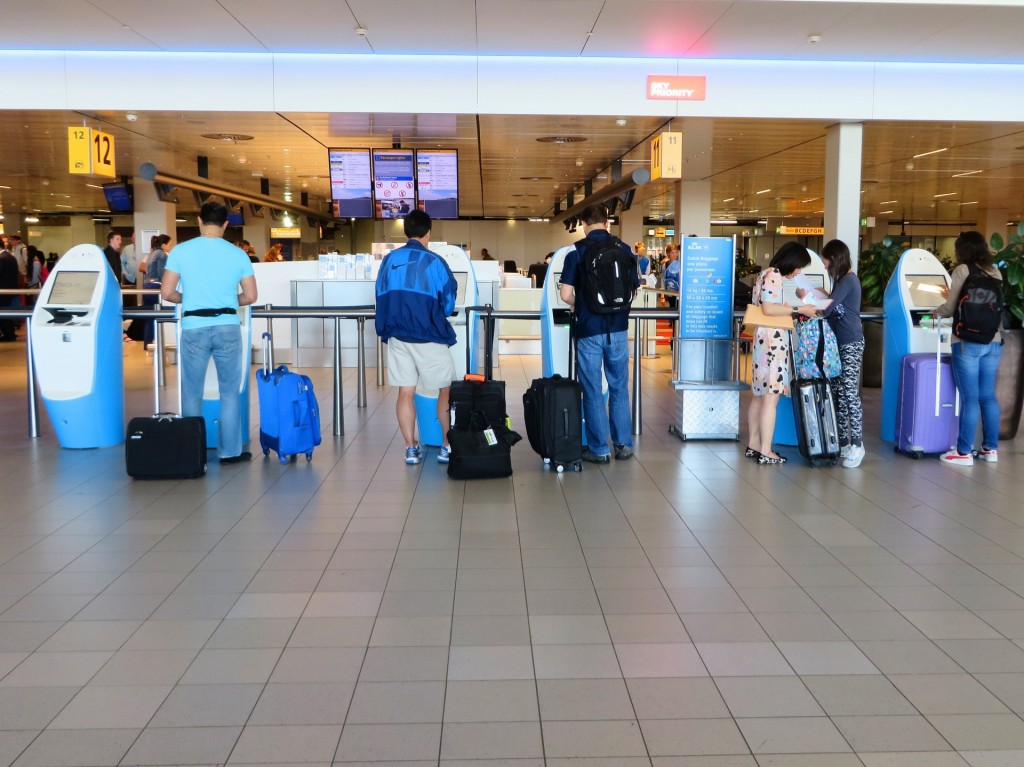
{"x": 676, "y": 87}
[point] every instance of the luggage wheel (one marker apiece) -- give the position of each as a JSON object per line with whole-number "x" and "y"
{"x": 917, "y": 455}
{"x": 266, "y": 451}
{"x": 578, "y": 466}
{"x": 282, "y": 459}
{"x": 834, "y": 461}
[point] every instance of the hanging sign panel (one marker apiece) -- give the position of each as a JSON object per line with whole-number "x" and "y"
{"x": 667, "y": 155}
{"x": 90, "y": 152}
{"x": 705, "y": 287}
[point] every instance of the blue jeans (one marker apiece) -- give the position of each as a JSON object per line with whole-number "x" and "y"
{"x": 224, "y": 344}
{"x": 593, "y": 353}
{"x": 974, "y": 370}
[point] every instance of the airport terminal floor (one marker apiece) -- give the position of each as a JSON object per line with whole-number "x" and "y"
{"x": 687, "y": 608}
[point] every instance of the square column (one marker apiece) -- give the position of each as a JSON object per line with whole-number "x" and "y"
{"x": 843, "y": 149}
{"x": 693, "y": 192}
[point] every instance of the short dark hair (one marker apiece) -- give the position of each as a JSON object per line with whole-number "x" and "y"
{"x": 596, "y": 213}
{"x": 213, "y": 213}
{"x": 790, "y": 257}
{"x": 110, "y": 235}
{"x": 971, "y": 248}
{"x": 838, "y": 255}
{"x": 416, "y": 224}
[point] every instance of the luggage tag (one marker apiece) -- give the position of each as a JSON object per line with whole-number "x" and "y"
{"x": 489, "y": 436}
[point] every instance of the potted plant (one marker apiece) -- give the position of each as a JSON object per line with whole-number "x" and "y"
{"x": 874, "y": 268}
{"x": 1009, "y": 257}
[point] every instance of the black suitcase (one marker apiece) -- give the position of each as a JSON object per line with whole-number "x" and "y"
{"x": 166, "y": 446}
{"x": 817, "y": 430}
{"x": 481, "y": 449}
{"x": 553, "y": 411}
{"x": 466, "y": 396}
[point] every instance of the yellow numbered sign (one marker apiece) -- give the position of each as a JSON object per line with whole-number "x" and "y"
{"x": 90, "y": 152}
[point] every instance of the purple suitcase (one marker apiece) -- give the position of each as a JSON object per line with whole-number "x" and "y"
{"x": 918, "y": 429}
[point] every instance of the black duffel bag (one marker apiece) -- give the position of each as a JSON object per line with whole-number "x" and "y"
{"x": 481, "y": 450}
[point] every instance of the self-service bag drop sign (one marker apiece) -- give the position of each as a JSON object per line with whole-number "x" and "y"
{"x": 77, "y": 350}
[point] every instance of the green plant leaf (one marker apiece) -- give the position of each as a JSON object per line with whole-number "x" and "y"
{"x": 997, "y": 241}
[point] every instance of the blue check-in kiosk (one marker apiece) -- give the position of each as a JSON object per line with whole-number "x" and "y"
{"x": 466, "y": 333}
{"x": 211, "y": 391}
{"x": 918, "y": 285}
{"x": 817, "y": 274}
{"x": 77, "y": 350}
{"x": 554, "y": 319}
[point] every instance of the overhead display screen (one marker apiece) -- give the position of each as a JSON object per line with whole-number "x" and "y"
{"x": 351, "y": 183}
{"x": 73, "y": 288}
{"x": 394, "y": 184}
{"x": 437, "y": 182}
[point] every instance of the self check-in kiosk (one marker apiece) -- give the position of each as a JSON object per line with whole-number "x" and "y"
{"x": 554, "y": 319}
{"x": 816, "y": 274}
{"x": 918, "y": 285}
{"x": 466, "y": 333}
{"x": 77, "y": 350}
{"x": 211, "y": 391}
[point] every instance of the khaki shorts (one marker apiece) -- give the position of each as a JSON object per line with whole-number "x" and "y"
{"x": 426, "y": 366}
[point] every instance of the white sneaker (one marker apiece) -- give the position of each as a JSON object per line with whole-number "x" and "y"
{"x": 854, "y": 456}
{"x": 991, "y": 456}
{"x": 953, "y": 457}
{"x": 844, "y": 451}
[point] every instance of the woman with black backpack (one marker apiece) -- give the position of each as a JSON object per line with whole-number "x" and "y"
{"x": 975, "y": 302}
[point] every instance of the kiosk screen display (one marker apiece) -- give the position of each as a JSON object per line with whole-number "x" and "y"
{"x": 460, "y": 294}
{"x": 437, "y": 182}
{"x": 557, "y": 277}
{"x": 394, "y": 185}
{"x": 926, "y": 290}
{"x": 351, "y": 183}
{"x": 73, "y": 288}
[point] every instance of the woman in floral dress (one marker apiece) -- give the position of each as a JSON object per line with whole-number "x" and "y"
{"x": 771, "y": 351}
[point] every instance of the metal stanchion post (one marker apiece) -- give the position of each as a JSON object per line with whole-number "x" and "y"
{"x": 361, "y": 364}
{"x": 380, "y": 361}
{"x": 33, "y": 403}
{"x": 637, "y": 407}
{"x": 339, "y": 416}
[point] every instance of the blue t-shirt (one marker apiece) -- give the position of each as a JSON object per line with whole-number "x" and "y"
{"x": 210, "y": 269}
{"x": 587, "y": 323}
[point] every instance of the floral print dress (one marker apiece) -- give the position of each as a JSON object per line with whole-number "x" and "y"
{"x": 771, "y": 345}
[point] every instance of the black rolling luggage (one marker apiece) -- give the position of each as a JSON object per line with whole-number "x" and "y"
{"x": 814, "y": 407}
{"x": 553, "y": 411}
{"x": 166, "y": 446}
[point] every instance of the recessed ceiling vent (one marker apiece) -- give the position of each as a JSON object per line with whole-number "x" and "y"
{"x": 562, "y": 139}
{"x": 229, "y": 137}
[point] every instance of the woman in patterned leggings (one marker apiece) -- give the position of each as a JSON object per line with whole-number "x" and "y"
{"x": 844, "y": 317}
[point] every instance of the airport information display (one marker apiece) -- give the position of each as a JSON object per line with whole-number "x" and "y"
{"x": 705, "y": 287}
{"x": 437, "y": 182}
{"x": 351, "y": 182}
{"x": 394, "y": 184}
{"x": 72, "y": 288}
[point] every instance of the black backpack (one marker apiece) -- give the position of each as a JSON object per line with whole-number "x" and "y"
{"x": 979, "y": 312}
{"x": 609, "y": 276}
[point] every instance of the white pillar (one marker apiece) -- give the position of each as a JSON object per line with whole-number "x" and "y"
{"x": 631, "y": 225}
{"x": 843, "y": 148}
{"x": 693, "y": 192}
{"x": 151, "y": 213}
{"x": 992, "y": 220}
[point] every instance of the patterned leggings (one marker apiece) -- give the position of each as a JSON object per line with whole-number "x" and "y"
{"x": 850, "y": 413}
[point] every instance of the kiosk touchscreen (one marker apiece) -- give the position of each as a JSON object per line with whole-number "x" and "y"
{"x": 465, "y": 334}
{"x": 77, "y": 350}
{"x": 918, "y": 285}
{"x": 211, "y": 391}
{"x": 816, "y": 275}
{"x": 554, "y": 319}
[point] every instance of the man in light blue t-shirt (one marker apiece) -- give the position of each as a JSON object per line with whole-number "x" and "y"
{"x": 204, "y": 275}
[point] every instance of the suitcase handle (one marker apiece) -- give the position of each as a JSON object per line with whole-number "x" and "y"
{"x": 268, "y": 353}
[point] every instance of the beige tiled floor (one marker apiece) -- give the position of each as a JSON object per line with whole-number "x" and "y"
{"x": 684, "y": 609}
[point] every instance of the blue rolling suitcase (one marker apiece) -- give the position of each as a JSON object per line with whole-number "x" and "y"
{"x": 289, "y": 413}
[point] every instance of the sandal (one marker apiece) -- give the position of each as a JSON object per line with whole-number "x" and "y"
{"x": 751, "y": 453}
{"x": 770, "y": 460}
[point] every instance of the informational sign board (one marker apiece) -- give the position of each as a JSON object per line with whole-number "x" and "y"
{"x": 394, "y": 183}
{"x": 351, "y": 183}
{"x": 90, "y": 152}
{"x": 437, "y": 182}
{"x": 707, "y": 266}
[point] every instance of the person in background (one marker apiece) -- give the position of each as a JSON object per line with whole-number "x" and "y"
{"x": 19, "y": 250}
{"x": 601, "y": 347}
{"x": 156, "y": 261}
{"x": 485, "y": 256}
{"x": 642, "y": 261}
{"x": 9, "y": 280}
{"x": 670, "y": 280}
{"x": 975, "y": 365}
{"x": 211, "y": 279}
{"x": 274, "y": 254}
{"x": 33, "y": 273}
{"x": 249, "y": 251}
{"x": 416, "y": 292}
{"x": 130, "y": 265}
{"x": 113, "y": 254}
{"x": 771, "y": 351}
{"x": 843, "y": 315}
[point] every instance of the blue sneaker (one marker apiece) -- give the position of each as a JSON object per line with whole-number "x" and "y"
{"x": 413, "y": 455}
{"x": 444, "y": 454}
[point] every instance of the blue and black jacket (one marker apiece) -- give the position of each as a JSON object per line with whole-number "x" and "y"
{"x": 415, "y": 296}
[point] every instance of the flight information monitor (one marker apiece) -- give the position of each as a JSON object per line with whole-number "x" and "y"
{"x": 73, "y": 288}
{"x": 394, "y": 183}
{"x": 437, "y": 182}
{"x": 351, "y": 183}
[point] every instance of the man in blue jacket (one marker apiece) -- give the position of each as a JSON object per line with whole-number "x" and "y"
{"x": 415, "y": 296}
